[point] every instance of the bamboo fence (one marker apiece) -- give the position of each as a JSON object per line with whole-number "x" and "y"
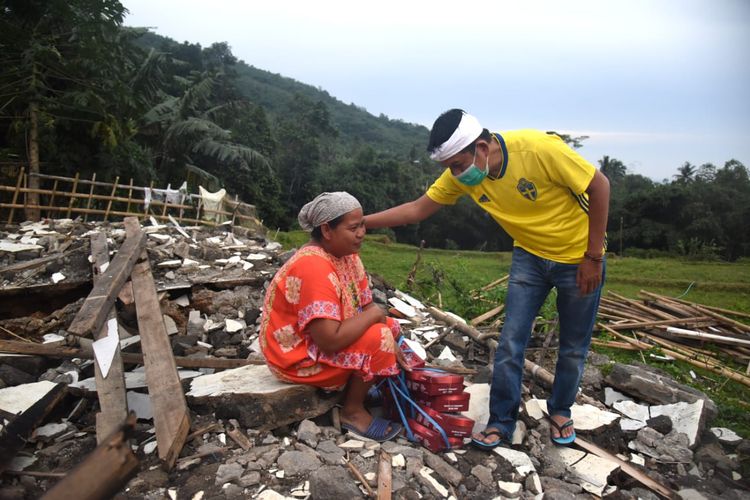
{"x": 63, "y": 197}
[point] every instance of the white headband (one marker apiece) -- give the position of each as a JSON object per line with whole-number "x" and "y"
{"x": 467, "y": 132}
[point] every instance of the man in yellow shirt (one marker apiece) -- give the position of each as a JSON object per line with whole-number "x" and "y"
{"x": 554, "y": 205}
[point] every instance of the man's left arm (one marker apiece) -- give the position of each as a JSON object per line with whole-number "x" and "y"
{"x": 590, "y": 270}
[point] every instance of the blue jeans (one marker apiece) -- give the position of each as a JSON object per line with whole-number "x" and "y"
{"x": 531, "y": 279}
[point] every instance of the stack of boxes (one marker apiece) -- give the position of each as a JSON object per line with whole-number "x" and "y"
{"x": 441, "y": 396}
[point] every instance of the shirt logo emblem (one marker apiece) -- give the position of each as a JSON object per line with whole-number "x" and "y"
{"x": 484, "y": 198}
{"x": 527, "y": 189}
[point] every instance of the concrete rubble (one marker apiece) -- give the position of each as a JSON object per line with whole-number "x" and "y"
{"x": 251, "y": 436}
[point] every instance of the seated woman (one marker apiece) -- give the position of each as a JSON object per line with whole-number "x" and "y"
{"x": 319, "y": 324}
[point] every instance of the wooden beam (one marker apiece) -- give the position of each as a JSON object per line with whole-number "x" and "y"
{"x": 487, "y": 315}
{"x": 171, "y": 416}
{"x": 385, "y": 477}
{"x": 636, "y": 474}
{"x": 93, "y": 312}
{"x": 104, "y": 471}
{"x": 110, "y": 389}
{"x": 27, "y": 347}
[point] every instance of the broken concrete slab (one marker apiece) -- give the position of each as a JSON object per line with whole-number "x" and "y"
{"x": 653, "y": 386}
{"x": 133, "y": 380}
{"x": 18, "y": 399}
{"x": 686, "y": 417}
{"x": 479, "y": 405}
{"x": 517, "y": 459}
{"x": 587, "y": 417}
{"x": 592, "y": 471}
{"x": 726, "y": 436}
{"x": 257, "y": 399}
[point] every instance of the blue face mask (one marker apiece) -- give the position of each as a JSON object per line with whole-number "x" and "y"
{"x": 473, "y": 176}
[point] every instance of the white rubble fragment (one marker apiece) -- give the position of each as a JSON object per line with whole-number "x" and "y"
{"x": 447, "y": 354}
{"x": 169, "y": 324}
{"x": 637, "y": 459}
{"x": 270, "y": 495}
{"x": 172, "y": 492}
{"x": 352, "y": 444}
{"x": 409, "y": 299}
{"x": 727, "y": 436}
{"x": 534, "y": 409}
{"x": 19, "y": 398}
{"x": 630, "y": 425}
{"x": 9, "y": 246}
{"x": 632, "y": 410}
{"x": 141, "y": 404}
{"x": 129, "y": 341}
{"x": 204, "y": 344}
{"x": 280, "y": 474}
{"x": 246, "y": 266}
{"x": 452, "y": 457}
{"x": 57, "y": 277}
{"x": 169, "y": 263}
{"x": 509, "y": 489}
{"x": 370, "y": 476}
{"x": 50, "y": 338}
{"x": 133, "y": 380}
{"x": 587, "y": 417}
{"x": 221, "y": 262}
{"x": 198, "y": 496}
{"x": 256, "y": 256}
{"x": 161, "y": 238}
{"x": 190, "y": 263}
{"x": 367, "y": 454}
{"x": 21, "y": 462}
{"x": 103, "y": 268}
{"x": 403, "y": 307}
{"x": 685, "y": 417}
{"x": 612, "y": 396}
{"x": 234, "y": 325}
{"x": 272, "y": 245}
{"x": 49, "y": 431}
{"x": 416, "y": 347}
{"x": 518, "y": 459}
{"x": 149, "y": 447}
{"x": 590, "y": 469}
{"x": 426, "y": 473}
{"x": 398, "y": 460}
{"x": 234, "y": 259}
{"x": 182, "y": 301}
{"x": 479, "y": 405}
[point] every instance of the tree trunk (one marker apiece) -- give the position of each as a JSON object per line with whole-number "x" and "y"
{"x": 32, "y": 198}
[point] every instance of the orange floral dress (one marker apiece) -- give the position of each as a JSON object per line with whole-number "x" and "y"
{"x": 314, "y": 284}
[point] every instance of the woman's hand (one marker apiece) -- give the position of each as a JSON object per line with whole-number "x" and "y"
{"x": 401, "y": 358}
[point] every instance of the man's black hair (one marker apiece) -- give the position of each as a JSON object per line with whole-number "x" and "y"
{"x": 443, "y": 129}
{"x": 317, "y": 234}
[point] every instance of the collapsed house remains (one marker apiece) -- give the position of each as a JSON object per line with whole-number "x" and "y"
{"x": 179, "y": 402}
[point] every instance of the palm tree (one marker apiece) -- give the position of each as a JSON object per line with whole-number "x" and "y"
{"x": 685, "y": 173}
{"x": 613, "y": 168}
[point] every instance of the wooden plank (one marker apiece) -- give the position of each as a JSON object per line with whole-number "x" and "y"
{"x": 385, "y": 477}
{"x": 487, "y": 315}
{"x": 27, "y": 347}
{"x": 171, "y": 416}
{"x": 110, "y": 390}
{"x": 636, "y": 474}
{"x": 93, "y": 312}
{"x": 16, "y": 433}
{"x": 104, "y": 471}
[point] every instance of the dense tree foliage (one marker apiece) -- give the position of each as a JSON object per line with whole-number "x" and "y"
{"x": 81, "y": 93}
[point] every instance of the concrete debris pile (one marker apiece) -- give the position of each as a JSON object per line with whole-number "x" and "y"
{"x": 179, "y": 402}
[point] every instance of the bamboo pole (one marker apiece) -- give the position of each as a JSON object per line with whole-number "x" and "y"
{"x": 111, "y": 196}
{"x": 130, "y": 194}
{"x": 52, "y": 198}
{"x": 91, "y": 192}
{"x": 647, "y": 324}
{"x": 15, "y": 194}
{"x": 72, "y": 199}
{"x": 641, "y": 307}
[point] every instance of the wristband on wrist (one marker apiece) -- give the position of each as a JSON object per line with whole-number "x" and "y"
{"x": 593, "y": 258}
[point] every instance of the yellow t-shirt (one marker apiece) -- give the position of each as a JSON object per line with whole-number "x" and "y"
{"x": 539, "y": 197}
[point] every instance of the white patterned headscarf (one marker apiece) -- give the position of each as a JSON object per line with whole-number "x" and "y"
{"x": 466, "y": 133}
{"x": 326, "y": 207}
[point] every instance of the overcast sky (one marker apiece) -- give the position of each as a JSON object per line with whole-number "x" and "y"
{"x": 654, "y": 83}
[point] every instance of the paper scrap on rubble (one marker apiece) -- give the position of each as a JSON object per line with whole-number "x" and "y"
{"x": 104, "y": 348}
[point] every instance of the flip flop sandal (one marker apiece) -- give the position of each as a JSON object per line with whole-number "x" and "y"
{"x": 377, "y": 431}
{"x": 560, "y": 439}
{"x": 479, "y": 443}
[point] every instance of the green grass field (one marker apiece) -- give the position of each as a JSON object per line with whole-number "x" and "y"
{"x": 447, "y": 278}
